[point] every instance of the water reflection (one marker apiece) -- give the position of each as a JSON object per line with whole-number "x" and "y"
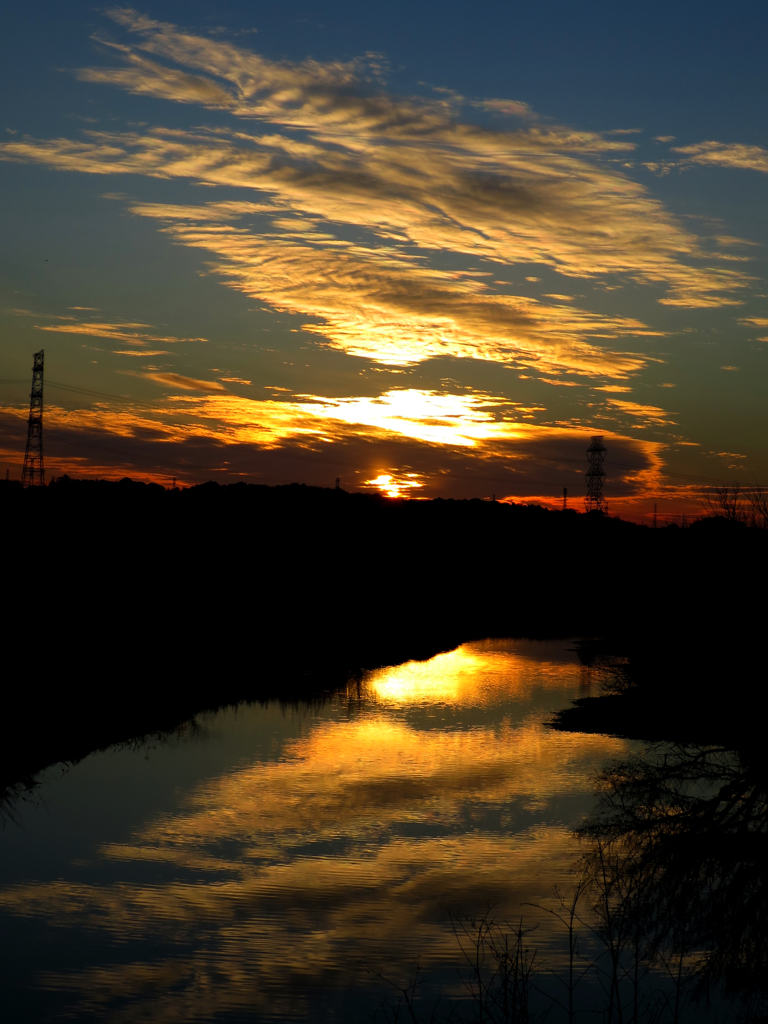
{"x": 472, "y": 675}
{"x": 264, "y": 891}
{"x": 680, "y": 843}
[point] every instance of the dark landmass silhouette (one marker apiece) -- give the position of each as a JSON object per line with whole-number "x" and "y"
{"x": 698, "y": 682}
{"x": 129, "y": 608}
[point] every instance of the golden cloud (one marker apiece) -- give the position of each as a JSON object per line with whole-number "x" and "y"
{"x": 406, "y": 169}
{"x": 510, "y": 108}
{"x": 178, "y": 380}
{"x": 143, "y": 353}
{"x": 520, "y": 203}
{"x": 466, "y": 421}
{"x": 651, "y": 415}
{"x": 436, "y": 418}
{"x": 379, "y": 305}
{"x": 132, "y": 333}
{"x": 722, "y": 154}
{"x": 427, "y": 437}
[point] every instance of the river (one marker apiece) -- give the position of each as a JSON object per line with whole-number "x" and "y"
{"x": 293, "y": 862}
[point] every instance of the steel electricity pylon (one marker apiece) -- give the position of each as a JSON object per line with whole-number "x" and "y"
{"x": 34, "y": 468}
{"x": 595, "y": 502}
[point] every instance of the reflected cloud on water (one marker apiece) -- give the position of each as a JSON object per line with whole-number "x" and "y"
{"x": 277, "y": 887}
{"x": 430, "y": 786}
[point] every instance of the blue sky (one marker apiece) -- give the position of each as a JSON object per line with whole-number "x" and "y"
{"x": 427, "y": 248}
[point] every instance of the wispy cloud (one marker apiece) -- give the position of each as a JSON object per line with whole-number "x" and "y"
{"x": 178, "y": 380}
{"x": 407, "y": 170}
{"x": 723, "y": 154}
{"x": 509, "y": 108}
{"x": 140, "y": 352}
{"x": 650, "y": 415}
{"x": 531, "y": 199}
{"x": 380, "y": 304}
{"x": 122, "y": 331}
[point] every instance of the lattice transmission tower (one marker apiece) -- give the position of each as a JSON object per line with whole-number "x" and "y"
{"x": 34, "y": 468}
{"x": 595, "y": 502}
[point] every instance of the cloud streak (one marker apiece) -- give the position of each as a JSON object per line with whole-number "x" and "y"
{"x": 406, "y": 170}
{"x": 722, "y": 154}
{"x": 529, "y": 201}
{"x": 122, "y": 331}
{"x": 650, "y": 415}
{"x": 178, "y": 380}
{"x": 379, "y": 305}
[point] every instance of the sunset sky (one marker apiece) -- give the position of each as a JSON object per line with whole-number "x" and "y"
{"x": 427, "y": 248}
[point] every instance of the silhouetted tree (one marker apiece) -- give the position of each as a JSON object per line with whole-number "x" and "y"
{"x": 728, "y": 501}
{"x": 680, "y": 859}
{"x": 758, "y": 500}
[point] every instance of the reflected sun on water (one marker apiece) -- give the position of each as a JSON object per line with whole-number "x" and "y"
{"x": 473, "y": 674}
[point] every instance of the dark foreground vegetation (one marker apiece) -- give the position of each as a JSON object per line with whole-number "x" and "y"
{"x": 128, "y": 608}
{"x": 663, "y": 920}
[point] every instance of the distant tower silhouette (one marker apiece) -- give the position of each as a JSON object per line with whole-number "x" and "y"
{"x": 34, "y": 470}
{"x": 595, "y": 502}
{"x": 565, "y": 498}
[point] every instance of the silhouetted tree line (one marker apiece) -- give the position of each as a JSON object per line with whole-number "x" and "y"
{"x": 737, "y": 504}
{"x": 129, "y": 606}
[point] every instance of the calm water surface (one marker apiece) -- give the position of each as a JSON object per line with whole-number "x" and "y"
{"x": 270, "y": 863}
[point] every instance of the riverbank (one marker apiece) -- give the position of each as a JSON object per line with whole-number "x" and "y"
{"x": 702, "y": 687}
{"x": 129, "y": 608}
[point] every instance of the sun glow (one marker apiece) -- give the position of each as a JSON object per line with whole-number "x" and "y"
{"x": 434, "y": 417}
{"x": 395, "y": 486}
